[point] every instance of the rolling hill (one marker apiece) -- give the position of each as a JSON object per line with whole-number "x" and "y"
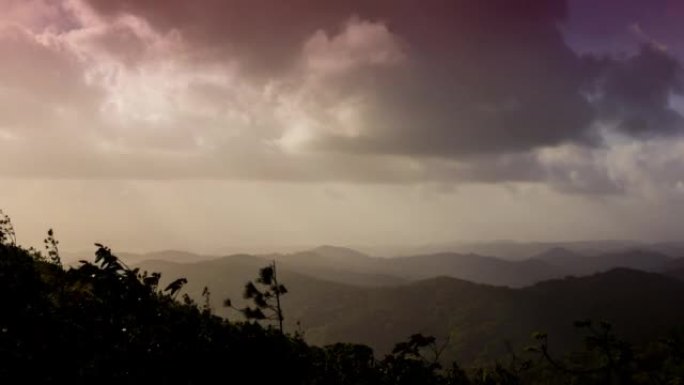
{"x": 479, "y": 318}
{"x": 341, "y": 264}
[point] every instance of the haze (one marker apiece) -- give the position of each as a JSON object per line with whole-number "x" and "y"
{"x": 210, "y": 124}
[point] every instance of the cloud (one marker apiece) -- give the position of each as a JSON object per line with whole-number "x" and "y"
{"x": 360, "y": 44}
{"x": 358, "y": 91}
{"x": 635, "y": 93}
{"x": 478, "y": 76}
{"x": 464, "y": 89}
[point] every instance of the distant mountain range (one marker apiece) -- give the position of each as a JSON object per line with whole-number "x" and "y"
{"x": 348, "y": 266}
{"x": 512, "y": 250}
{"x": 572, "y": 263}
{"x": 334, "y": 263}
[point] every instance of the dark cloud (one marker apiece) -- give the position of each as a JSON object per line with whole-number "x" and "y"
{"x": 635, "y": 92}
{"x": 514, "y": 86}
{"x": 614, "y": 25}
{"x": 485, "y": 77}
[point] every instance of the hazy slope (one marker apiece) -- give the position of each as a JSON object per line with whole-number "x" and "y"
{"x": 340, "y": 264}
{"x": 573, "y": 263}
{"x": 474, "y": 268}
{"x": 352, "y": 267}
{"x": 392, "y": 271}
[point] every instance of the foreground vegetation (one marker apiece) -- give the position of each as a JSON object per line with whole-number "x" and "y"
{"x": 103, "y": 322}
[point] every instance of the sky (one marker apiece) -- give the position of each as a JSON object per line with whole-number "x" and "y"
{"x": 205, "y": 125}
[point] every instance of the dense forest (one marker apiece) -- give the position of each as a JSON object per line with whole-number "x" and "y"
{"x": 105, "y": 322}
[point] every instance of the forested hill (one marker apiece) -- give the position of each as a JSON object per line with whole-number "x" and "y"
{"x": 477, "y": 319}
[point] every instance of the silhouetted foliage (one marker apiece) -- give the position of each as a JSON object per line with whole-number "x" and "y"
{"x": 52, "y": 248}
{"x": 607, "y": 359}
{"x": 265, "y": 293}
{"x": 7, "y": 235}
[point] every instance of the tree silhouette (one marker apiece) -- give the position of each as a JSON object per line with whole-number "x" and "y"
{"x": 265, "y": 293}
{"x": 7, "y": 235}
{"x": 174, "y": 287}
{"x": 52, "y": 248}
{"x": 407, "y": 363}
